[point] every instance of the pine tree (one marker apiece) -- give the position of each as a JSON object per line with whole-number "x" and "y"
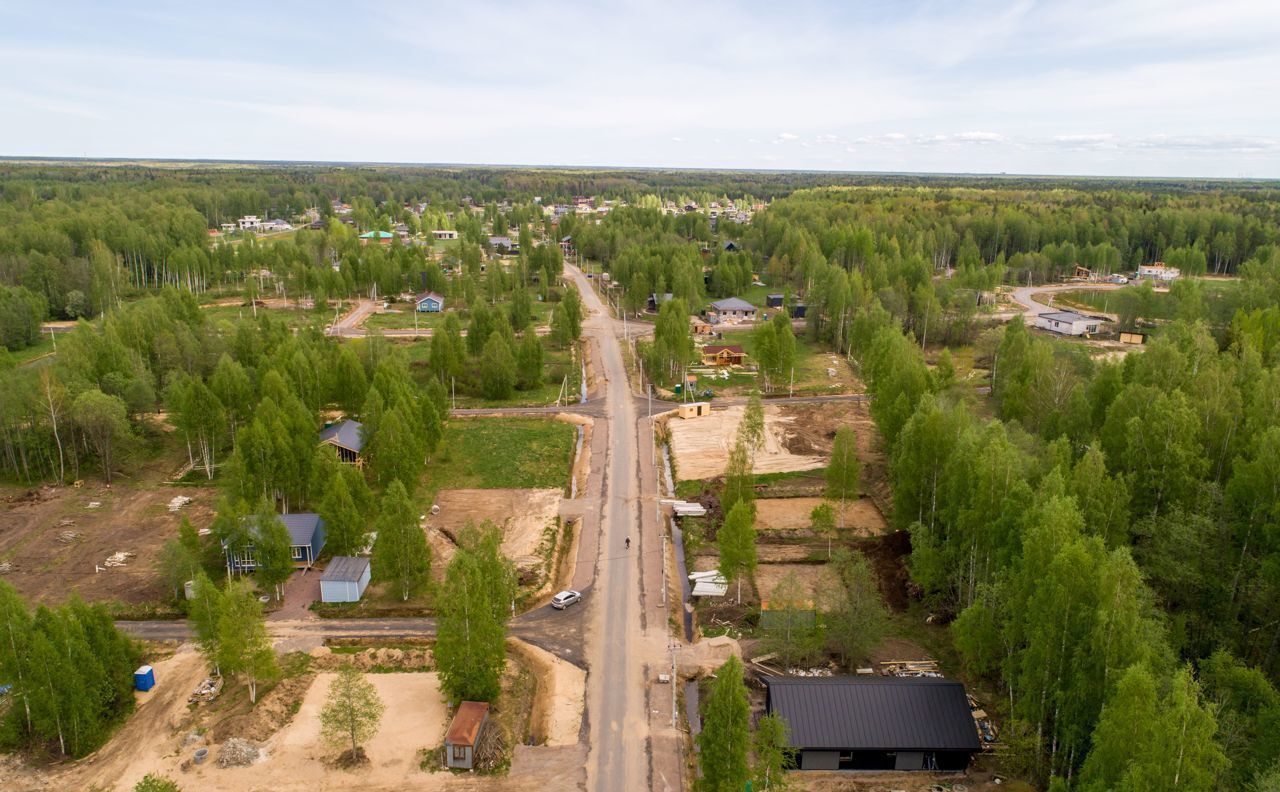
{"x": 725, "y": 736}
{"x": 401, "y": 554}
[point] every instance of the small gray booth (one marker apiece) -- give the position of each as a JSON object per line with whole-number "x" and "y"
{"x": 345, "y": 579}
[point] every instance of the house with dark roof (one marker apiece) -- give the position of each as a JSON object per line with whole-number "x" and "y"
{"x": 732, "y": 308}
{"x": 723, "y": 355}
{"x": 875, "y": 723}
{"x": 344, "y": 579}
{"x": 348, "y": 437}
{"x": 656, "y": 300}
{"x": 430, "y": 302}
{"x": 306, "y": 540}
{"x": 464, "y": 734}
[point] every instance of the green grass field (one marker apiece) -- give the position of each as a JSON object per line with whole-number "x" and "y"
{"x": 295, "y": 319}
{"x": 811, "y": 366}
{"x": 25, "y": 355}
{"x": 503, "y": 453}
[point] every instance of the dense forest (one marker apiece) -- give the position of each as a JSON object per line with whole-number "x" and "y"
{"x": 1102, "y": 535}
{"x": 1103, "y": 532}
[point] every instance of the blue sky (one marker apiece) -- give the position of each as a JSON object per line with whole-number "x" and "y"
{"x": 1167, "y": 87}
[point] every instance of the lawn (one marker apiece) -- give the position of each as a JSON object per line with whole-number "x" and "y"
{"x": 402, "y": 316}
{"x": 1220, "y": 298}
{"x": 811, "y": 378}
{"x": 503, "y": 453}
{"x": 295, "y": 319}
{"x": 25, "y": 355}
{"x": 557, "y": 365}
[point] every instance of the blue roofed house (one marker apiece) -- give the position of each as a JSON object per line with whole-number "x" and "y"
{"x": 430, "y": 302}
{"x": 348, "y": 437}
{"x": 306, "y": 540}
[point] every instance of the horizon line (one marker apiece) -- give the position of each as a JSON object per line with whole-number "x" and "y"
{"x": 58, "y": 159}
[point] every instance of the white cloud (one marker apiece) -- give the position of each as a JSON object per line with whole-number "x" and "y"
{"x": 1141, "y": 86}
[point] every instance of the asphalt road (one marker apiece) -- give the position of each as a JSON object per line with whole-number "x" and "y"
{"x": 615, "y": 685}
{"x": 1024, "y": 296}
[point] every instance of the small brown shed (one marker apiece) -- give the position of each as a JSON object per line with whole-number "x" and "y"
{"x": 694, "y": 409}
{"x": 464, "y": 734}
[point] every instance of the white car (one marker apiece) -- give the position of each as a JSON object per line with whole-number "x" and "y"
{"x": 565, "y": 598}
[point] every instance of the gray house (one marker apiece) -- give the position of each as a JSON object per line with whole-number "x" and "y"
{"x": 875, "y": 723}
{"x": 732, "y": 308}
{"x": 464, "y": 734}
{"x": 345, "y": 579}
{"x": 348, "y": 437}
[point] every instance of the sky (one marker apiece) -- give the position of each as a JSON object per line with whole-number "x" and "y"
{"x": 1097, "y": 87}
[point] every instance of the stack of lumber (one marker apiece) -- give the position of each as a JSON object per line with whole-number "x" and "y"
{"x": 910, "y": 668}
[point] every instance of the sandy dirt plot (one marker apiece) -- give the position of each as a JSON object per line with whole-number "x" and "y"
{"x": 53, "y": 539}
{"x": 523, "y": 515}
{"x": 562, "y": 690}
{"x": 816, "y": 581}
{"x": 797, "y": 437}
{"x": 787, "y": 514}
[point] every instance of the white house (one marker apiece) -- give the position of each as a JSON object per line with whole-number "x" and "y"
{"x": 275, "y": 225}
{"x": 444, "y": 233}
{"x": 1068, "y": 323}
{"x": 250, "y": 223}
{"x": 1158, "y": 271}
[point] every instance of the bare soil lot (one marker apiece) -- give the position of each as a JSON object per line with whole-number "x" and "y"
{"x": 797, "y": 437}
{"x": 792, "y": 514}
{"x": 522, "y": 514}
{"x": 53, "y": 540}
{"x": 816, "y": 581}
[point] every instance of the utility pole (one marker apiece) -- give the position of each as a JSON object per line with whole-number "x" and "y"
{"x": 453, "y": 386}
{"x": 674, "y": 680}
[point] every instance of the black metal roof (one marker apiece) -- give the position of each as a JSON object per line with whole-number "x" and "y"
{"x": 874, "y": 713}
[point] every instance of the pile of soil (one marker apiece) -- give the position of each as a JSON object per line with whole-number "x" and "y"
{"x": 413, "y": 659}
{"x": 268, "y": 716}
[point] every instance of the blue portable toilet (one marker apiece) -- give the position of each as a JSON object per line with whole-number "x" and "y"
{"x": 144, "y": 678}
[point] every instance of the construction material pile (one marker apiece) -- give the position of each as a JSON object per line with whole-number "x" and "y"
{"x": 910, "y": 668}
{"x": 207, "y": 690}
{"x": 178, "y": 502}
{"x": 685, "y": 509}
{"x": 118, "y": 559}
{"x": 237, "y": 753}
